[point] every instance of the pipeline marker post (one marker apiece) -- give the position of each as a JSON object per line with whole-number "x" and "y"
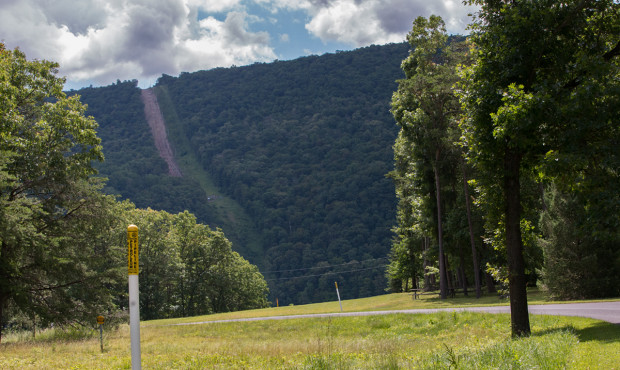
{"x": 337, "y": 292}
{"x": 134, "y": 293}
{"x": 100, "y": 321}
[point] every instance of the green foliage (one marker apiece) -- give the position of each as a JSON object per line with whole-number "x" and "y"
{"x": 542, "y": 69}
{"x": 431, "y": 341}
{"x": 297, "y": 151}
{"x": 547, "y": 352}
{"x": 48, "y": 201}
{"x": 187, "y": 269}
{"x": 132, "y": 164}
{"x": 572, "y": 249}
{"x": 63, "y": 241}
{"x": 426, "y": 157}
{"x": 303, "y": 146}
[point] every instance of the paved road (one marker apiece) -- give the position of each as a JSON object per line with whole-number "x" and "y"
{"x": 606, "y": 311}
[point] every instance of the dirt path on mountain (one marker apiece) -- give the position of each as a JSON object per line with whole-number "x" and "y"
{"x": 158, "y": 128}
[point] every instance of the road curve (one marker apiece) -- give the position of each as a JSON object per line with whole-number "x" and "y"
{"x": 606, "y": 311}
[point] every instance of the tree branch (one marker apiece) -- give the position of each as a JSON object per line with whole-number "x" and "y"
{"x": 612, "y": 53}
{"x": 50, "y": 287}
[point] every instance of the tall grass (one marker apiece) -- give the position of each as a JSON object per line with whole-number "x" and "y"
{"x": 461, "y": 340}
{"x": 457, "y": 340}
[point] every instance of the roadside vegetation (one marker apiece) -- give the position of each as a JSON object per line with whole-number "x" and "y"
{"x": 400, "y": 341}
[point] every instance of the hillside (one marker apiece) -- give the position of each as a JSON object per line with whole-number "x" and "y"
{"x": 288, "y": 158}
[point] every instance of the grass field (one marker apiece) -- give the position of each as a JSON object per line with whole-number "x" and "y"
{"x": 443, "y": 340}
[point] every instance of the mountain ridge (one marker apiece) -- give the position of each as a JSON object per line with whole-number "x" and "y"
{"x": 302, "y": 147}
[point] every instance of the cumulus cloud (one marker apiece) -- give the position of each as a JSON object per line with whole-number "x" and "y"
{"x": 215, "y": 5}
{"x": 101, "y": 41}
{"x": 364, "y": 22}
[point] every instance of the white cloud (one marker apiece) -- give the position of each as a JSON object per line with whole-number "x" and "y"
{"x": 98, "y": 41}
{"x": 364, "y": 22}
{"x": 225, "y": 43}
{"x": 355, "y": 24}
{"x": 215, "y": 5}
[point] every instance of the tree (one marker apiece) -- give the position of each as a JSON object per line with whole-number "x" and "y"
{"x": 411, "y": 222}
{"x": 48, "y": 200}
{"x": 470, "y": 227}
{"x": 426, "y": 109}
{"x": 573, "y": 243}
{"x": 189, "y": 269}
{"x": 532, "y": 59}
{"x": 160, "y": 264}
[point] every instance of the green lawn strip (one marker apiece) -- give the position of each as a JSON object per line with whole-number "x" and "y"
{"x": 395, "y": 301}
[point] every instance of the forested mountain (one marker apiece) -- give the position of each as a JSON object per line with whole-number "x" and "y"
{"x": 288, "y": 158}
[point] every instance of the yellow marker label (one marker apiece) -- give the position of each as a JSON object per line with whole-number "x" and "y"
{"x": 132, "y": 249}
{"x": 100, "y": 320}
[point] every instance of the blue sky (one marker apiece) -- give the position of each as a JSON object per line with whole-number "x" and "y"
{"x": 98, "y": 42}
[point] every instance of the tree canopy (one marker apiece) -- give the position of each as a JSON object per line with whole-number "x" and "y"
{"x": 47, "y": 195}
{"x": 541, "y": 69}
{"x": 62, "y": 246}
{"x": 427, "y": 110}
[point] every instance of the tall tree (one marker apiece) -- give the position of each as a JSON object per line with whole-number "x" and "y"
{"x": 411, "y": 221}
{"x": 47, "y": 146}
{"x": 426, "y": 108}
{"x": 470, "y": 227}
{"x": 531, "y": 58}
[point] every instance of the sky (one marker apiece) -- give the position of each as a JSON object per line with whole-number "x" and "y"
{"x": 97, "y": 42}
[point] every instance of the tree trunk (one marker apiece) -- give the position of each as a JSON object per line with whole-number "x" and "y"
{"x": 474, "y": 253}
{"x": 414, "y": 281}
{"x": 2, "y": 300}
{"x": 519, "y": 314}
{"x": 449, "y": 278}
{"x": 427, "y": 279}
{"x": 34, "y": 326}
{"x": 461, "y": 271}
{"x": 490, "y": 283}
{"x": 443, "y": 289}
{"x": 4, "y": 275}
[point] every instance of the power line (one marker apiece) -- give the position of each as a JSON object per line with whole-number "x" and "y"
{"x": 323, "y": 267}
{"x": 327, "y": 273}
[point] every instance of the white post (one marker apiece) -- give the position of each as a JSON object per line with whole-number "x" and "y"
{"x": 134, "y": 296}
{"x": 134, "y": 321}
{"x": 337, "y": 292}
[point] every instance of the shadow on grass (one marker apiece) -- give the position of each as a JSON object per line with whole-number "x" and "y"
{"x": 600, "y": 332}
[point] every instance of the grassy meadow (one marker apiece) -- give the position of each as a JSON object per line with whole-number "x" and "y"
{"x": 399, "y": 341}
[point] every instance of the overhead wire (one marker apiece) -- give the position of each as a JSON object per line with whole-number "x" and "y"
{"x": 323, "y": 267}
{"x": 326, "y": 274}
{"x": 330, "y": 272}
